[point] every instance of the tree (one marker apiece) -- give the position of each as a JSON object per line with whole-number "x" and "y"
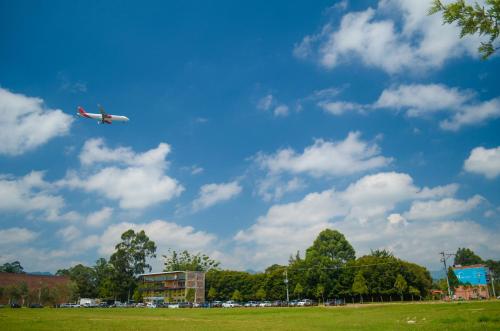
{"x": 23, "y": 291}
{"x": 212, "y": 294}
{"x": 236, "y": 296}
{"x": 320, "y": 292}
{"x": 452, "y": 279}
{"x": 84, "y": 278}
{"x": 14, "y": 268}
{"x": 359, "y": 285}
{"x": 13, "y": 293}
{"x": 103, "y": 278}
{"x": 190, "y": 295}
{"x": 400, "y": 285}
{"x": 465, "y": 256}
{"x": 130, "y": 259}
{"x": 261, "y": 294}
{"x": 333, "y": 245}
{"x": 413, "y": 291}
{"x": 185, "y": 261}
{"x": 298, "y": 290}
{"x": 473, "y": 19}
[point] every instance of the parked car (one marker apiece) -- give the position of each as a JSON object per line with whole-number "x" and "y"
{"x": 265, "y": 304}
{"x": 216, "y": 304}
{"x": 335, "y": 302}
{"x": 293, "y": 303}
{"x": 151, "y": 305}
{"x": 251, "y": 304}
{"x": 15, "y": 305}
{"x": 35, "y": 305}
{"x": 230, "y": 304}
{"x": 173, "y": 305}
{"x": 305, "y": 302}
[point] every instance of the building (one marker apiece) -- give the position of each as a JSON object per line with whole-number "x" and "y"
{"x": 35, "y": 285}
{"x": 473, "y": 282}
{"x": 173, "y": 286}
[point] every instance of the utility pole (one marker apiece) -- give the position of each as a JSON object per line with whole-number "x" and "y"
{"x": 443, "y": 259}
{"x": 286, "y": 282}
{"x": 493, "y": 283}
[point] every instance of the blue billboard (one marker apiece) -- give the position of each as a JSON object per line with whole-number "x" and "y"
{"x": 472, "y": 276}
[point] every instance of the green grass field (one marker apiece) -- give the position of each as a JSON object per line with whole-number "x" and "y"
{"x": 426, "y": 316}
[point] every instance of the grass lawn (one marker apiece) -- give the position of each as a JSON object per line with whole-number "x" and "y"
{"x": 419, "y": 316}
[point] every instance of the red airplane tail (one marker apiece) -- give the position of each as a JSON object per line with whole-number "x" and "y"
{"x": 82, "y": 112}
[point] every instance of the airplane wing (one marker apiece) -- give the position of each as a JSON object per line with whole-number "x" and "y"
{"x": 101, "y": 110}
{"x": 105, "y": 117}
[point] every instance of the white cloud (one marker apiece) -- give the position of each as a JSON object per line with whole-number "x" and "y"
{"x": 32, "y": 193}
{"x": 16, "y": 236}
{"x": 266, "y": 102}
{"x": 345, "y": 157}
{"x": 166, "y": 235}
{"x": 396, "y": 219}
{"x": 339, "y": 107}
{"x": 473, "y": 114}
{"x": 136, "y": 180}
{"x": 69, "y": 233}
{"x": 212, "y": 194}
{"x": 460, "y": 107}
{"x": 274, "y": 187}
{"x": 420, "y": 99}
{"x": 376, "y": 38}
{"x": 366, "y": 212}
{"x": 484, "y": 161}
{"x": 100, "y": 217}
{"x": 281, "y": 110}
{"x": 26, "y": 124}
{"x": 441, "y": 209}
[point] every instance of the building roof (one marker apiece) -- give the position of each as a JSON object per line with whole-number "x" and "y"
{"x": 167, "y": 272}
{"x": 459, "y": 267}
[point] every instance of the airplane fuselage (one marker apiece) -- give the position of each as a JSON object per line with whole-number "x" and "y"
{"x": 102, "y": 118}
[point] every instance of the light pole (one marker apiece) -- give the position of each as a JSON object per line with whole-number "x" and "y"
{"x": 286, "y": 282}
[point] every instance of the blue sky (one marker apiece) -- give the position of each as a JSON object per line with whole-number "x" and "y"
{"x": 253, "y": 127}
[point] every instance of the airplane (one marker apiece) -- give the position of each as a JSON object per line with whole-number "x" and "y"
{"x": 102, "y": 117}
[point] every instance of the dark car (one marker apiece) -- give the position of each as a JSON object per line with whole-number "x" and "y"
{"x": 35, "y": 305}
{"x": 15, "y": 305}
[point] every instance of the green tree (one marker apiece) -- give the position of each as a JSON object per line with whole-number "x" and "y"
{"x": 400, "y": 285}
{"x": 359, "y": 285}
{"x": 261, "y": 294}
{"x": 104, "y": 279}
{"x": 185, "y": 261}
{"x": 137, "y": 295}
{"x": 332, "y": 245}
{"x": 84, "y": 278}
{"x": 13, "y": 293}
{"x": 473, "y": 19}
{"x": 452, "y": 279}
{"x": 14, "y": 268}
{"x": 23, "y": 292}
{"x": 465, "y": 256}
{"x": 212, "y": 294}
{"x": 413, "y": 291}
{"x": 323, "y": 264}
{"x": 298, "y": 290}
{"x": 130, "y": 259}
{"x": 190, "y": 295}
{"x": 320, "y": 292}
{"x": 236, "y": 296}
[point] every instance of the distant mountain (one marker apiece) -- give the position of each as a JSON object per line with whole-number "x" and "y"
{"x": 40, "y": 273}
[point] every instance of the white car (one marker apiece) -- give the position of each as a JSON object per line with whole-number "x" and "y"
{"x": 230, "y": 304}
{"x": 305, "y": 302}
{"x": 265, "y": 304}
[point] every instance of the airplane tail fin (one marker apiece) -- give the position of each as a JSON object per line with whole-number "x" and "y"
{"x": 82, "y": 112}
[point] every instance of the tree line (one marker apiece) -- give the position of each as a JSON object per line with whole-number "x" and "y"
{"x": 329, "y": 269}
